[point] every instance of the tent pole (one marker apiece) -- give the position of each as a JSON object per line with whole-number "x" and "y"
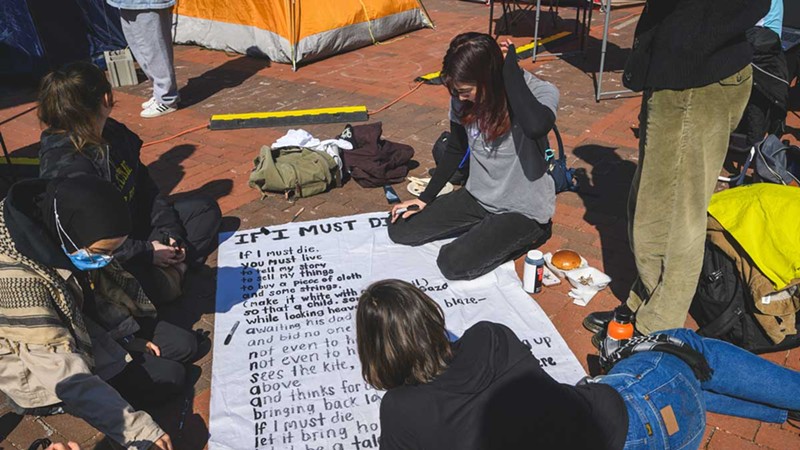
{"x": 293, "y": 33}
{"x": 428, "y": 16}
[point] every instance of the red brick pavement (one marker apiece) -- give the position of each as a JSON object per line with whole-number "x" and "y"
{"x": 600, "y": 140}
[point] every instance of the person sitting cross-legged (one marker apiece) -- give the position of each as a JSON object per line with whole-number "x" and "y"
{"x": 167, "y": 237}
{"x": 77, "y": 333}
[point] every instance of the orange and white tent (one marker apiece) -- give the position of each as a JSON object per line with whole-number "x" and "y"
{"x": 293, "y": 31}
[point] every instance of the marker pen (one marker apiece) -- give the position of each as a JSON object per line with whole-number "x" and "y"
{"x": 230, "y": 335}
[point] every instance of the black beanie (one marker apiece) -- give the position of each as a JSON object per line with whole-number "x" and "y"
{"x": 89, "y": 209}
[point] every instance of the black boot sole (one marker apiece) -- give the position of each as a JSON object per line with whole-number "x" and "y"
{"x": 592, "y": 326}
{"x": 597, "y": 339}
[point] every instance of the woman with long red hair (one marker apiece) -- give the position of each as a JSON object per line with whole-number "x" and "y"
{"x": 502, "y": 114}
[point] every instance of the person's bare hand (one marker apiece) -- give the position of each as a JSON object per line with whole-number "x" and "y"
{"x": 59, "y": 446}
{"x": 504, "y": 46}
{"x": 165, "y": 255}
{"x": 163, "y": 443}
{"x": 412, "y": 207}
{"x": 152, "y": 348}
{"x": 180, "y": 252}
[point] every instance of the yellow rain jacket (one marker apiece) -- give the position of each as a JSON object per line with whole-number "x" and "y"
{"x": 764, "y": 219}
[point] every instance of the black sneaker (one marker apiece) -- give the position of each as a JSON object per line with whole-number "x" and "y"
{"x": 793, "y": 419}
{"x": 599, "y": 320}
{"x": 598, "y": 338}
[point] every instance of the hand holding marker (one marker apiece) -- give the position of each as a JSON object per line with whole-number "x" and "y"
{"x": 401, "y": 211}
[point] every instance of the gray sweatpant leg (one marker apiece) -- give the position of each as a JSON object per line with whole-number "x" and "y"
{"x": 150, "y": 39}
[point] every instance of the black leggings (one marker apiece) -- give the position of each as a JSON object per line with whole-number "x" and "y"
{"x": 149, "y": 380}
{"x": 201, "y": 218}
{"x": 485, "y": 240}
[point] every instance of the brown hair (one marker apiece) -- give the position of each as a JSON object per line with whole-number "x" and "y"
{"x": 401, "y": 335}
{"x": 70, "y": 99}
{"x": 475, "y": 58}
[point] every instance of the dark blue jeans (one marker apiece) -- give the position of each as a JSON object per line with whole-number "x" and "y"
{"x": 667, "y": 404}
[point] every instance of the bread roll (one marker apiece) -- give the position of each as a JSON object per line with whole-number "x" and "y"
{"x": 566, "y": 260}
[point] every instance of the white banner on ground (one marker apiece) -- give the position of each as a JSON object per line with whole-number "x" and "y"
{"x": 286, "y": 373}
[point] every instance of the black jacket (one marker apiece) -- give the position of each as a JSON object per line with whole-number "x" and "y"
{"x": 682, "y": 44}
{"x": 150, "y": 211}
{"x": 494, "y": 395}
{"x": 766, "y": 110}
{"x": 25, "y": 225}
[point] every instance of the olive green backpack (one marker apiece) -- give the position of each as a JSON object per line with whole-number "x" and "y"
{"x": 294, "y": 171}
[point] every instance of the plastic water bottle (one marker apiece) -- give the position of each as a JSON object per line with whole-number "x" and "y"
{"x": 533, "y": 272}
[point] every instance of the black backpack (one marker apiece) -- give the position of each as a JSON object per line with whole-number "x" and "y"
{"x": 723, "y": 306}
{"x": 563, "y": 176}
{"x": 777, "y": 162}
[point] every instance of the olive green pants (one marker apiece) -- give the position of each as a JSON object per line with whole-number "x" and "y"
{"x": 682, "y": 145}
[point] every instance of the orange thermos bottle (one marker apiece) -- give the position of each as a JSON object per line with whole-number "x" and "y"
{"x": 619, "y": 330}
{"x": 621, "y": 326}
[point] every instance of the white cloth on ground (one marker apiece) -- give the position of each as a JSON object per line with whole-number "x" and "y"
{"x": 296, "y": 138}
{"x": 302, "y": 138}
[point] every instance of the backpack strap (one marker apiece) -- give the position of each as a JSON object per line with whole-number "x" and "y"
{"x": 659, "y": 343}
{"x": 724, "y": 322}
{"x": 729, "y": 317}
{"x": 548, "y": 153}
{"x": 559, "y": 142}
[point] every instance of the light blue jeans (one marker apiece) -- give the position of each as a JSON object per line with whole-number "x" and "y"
{"x": 149, "y": 35}
{"x": 667, "y": 403}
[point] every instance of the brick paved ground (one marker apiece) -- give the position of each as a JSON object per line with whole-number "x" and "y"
{"x": 600, "y": 140}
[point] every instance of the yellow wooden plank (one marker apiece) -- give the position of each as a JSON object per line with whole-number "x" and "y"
{"x": 295, "y": 113}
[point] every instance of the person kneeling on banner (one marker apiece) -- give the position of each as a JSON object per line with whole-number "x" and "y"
{"x": 487, "y": 390}
{"x": 77, "y": 333}
{"x": 503, "y": 114}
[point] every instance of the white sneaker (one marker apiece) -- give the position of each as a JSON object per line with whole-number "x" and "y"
{"x": 156, "y": 110}
{"x": 147, "y": 104}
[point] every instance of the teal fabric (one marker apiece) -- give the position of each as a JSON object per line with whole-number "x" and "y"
{"x": 774, "y": 18}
